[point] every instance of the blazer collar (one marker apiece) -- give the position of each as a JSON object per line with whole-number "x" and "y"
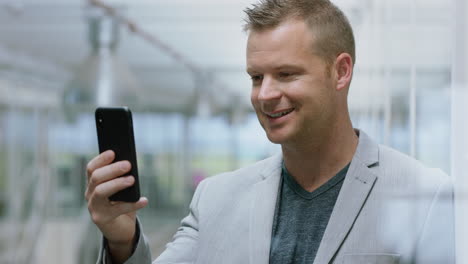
{"x": 367, "y": 151}
{"x": 356, "y": 188}
{"x": 353, "y": 195}
{"x": 271, "y": 166}
{"x": 262, "y": 209}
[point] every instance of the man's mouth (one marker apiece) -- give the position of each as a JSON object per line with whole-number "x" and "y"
{"x": 279, "y": 113}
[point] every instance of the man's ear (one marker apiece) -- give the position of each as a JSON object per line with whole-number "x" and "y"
{"x": 343, "y": 70}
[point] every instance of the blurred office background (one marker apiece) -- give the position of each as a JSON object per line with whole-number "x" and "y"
{"x": 179, "y": 65}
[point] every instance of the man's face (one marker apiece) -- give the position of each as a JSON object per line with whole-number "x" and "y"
{"x": 292, "y": 92}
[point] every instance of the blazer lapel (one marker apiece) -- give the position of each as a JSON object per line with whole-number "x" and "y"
{"x": 356, "y": 187}
{"x": 262, "y": 212}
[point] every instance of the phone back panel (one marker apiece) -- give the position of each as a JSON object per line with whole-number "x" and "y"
{"x": 115, "y": 132}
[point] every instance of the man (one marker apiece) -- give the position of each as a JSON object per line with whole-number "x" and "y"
{"x": 332, "y": 196}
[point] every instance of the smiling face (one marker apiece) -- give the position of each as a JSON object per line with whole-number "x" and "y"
{"x": 293, "y": 90}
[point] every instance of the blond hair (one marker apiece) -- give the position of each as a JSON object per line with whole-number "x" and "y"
{"x": 332, "y": 32}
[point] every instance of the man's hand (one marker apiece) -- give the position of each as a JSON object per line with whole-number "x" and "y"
{"x": 116, "y": 220}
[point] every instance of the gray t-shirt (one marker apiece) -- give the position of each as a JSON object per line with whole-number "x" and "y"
{"x": 301, "y": 218}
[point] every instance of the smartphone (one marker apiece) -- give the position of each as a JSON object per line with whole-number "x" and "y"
{"x": 115, "y": 132}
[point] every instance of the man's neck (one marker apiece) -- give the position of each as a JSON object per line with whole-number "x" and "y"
{"x": 315, "y": 161}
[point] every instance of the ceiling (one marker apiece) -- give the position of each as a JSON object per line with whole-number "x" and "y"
{"x": 208, "y": 33}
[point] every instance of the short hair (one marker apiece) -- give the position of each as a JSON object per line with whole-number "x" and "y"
{"x": 333, "y": 32}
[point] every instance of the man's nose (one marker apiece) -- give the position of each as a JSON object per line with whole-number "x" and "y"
{"x": 269, "y": 90}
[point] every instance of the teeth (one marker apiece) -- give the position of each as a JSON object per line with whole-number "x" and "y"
{"x": 280, "y": 114}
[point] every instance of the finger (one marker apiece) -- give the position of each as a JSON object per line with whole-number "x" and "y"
{"x": 99, "y": 161}
{"x": 108, "y": 172}
{"x": 121, "y": 208}
{"x": 109, "y": 212}
{"x": 108, "y": 188}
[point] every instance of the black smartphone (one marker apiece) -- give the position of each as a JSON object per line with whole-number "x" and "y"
{"x": 115, "y": 132}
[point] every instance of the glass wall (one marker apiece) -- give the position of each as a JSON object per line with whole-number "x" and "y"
{"x": 401, "y": 96}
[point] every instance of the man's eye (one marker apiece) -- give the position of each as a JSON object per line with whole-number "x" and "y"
{"x": 285, "y": 74}
{"x": 256, "y": 78}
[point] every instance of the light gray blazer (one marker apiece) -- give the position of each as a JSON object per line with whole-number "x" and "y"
{"x": 391, "y": 209}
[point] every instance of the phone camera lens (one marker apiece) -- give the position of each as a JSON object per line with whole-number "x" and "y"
{"x": 100, "y": 120}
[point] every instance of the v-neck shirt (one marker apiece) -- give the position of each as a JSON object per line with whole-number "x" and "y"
{"x": 301, "y": 218}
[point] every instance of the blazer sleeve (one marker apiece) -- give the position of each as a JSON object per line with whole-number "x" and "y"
{"x": 141, "y": 253}
{"x": 183, "y": 248}
{"x": 437, "y": 242}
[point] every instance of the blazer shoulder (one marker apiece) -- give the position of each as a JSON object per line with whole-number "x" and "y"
{"x": 400, "y": 166}
{"x": 245, "y": 176}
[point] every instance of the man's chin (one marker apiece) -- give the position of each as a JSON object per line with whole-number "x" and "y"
{"x": 276, "y": 138}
